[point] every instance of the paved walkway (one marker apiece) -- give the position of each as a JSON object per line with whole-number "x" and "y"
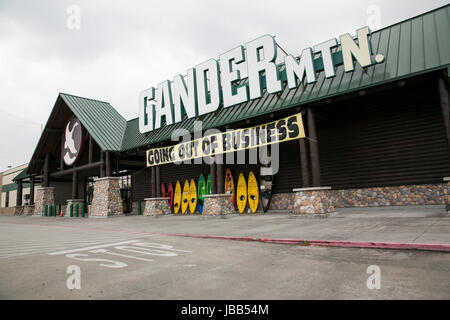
{"x": 430, "y": 226}
{"x": 399, "y": 225}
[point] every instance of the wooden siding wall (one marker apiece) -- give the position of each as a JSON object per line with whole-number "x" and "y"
{"x": 141, "y": 186}
{"x": 390, "y": 138}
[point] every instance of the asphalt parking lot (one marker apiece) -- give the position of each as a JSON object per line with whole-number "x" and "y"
{"x": 126, "y": 258}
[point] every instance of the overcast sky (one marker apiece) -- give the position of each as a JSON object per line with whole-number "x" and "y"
{"x": 123, "y": 47}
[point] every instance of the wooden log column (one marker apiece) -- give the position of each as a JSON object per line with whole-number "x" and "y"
{"x": 102, "y": 166}
{"x": 220, "y": 179}
{"x": 46, "y": 176}
{"x": 75, "y": 185}
{"x": 108, "y": 171}
{"x": 19, "y": 193}
{"x": 91, "y": 150}
{"x": 444, "y": 101}
{"x": 304, "y": 162}
{"x": 212, "y": 172}
{"x": 61, "y": 158}
{"x": 314, "y": 148}
{"x": 153, "y": 181}
{"x": 32, "y": 190}
{"x": 158, "y": 181}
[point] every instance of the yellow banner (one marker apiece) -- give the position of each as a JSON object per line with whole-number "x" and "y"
{"x": 282, "y": 130}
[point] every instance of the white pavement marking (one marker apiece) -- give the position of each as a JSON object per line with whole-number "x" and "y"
{"x": 92, "y": 248}
{"x": 21, "y": 248}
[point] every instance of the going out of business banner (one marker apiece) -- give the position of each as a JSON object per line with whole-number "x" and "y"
{"x": 282, "y": 130}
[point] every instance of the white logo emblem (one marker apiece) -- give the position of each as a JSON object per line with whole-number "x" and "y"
{"x": 72, "y": 142}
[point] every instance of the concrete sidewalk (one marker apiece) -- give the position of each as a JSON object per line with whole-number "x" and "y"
{"x": 428, "y": 225}
{"x": 400, "y": 225}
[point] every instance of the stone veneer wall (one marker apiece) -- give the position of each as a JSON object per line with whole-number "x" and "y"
{"x": 28, "y": 209}
{"x": 281, "y": 201}
{"x": 427, "y": 194}
{"x": 314, "y": 201}
{"x": 44, "y": 196}
{"x": 155, "y": 206}
{"x": 106, "y": 200}
{"x": 18, "y": 210}
{"x": 218, "y": 204}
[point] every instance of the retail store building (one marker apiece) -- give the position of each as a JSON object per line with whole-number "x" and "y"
{"x": 378, "y": 135}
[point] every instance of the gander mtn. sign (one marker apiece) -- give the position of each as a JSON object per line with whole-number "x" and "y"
{"x": 213, "y": 82}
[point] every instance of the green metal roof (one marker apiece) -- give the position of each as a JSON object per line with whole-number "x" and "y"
{"x": 23, "y": 174}
{"x": 14, "y": 186}
{"x": 101, "y": 120}
{"x": 412, "y": 47}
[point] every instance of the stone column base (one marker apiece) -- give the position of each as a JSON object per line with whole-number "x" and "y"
{"x": 18, "y": 210}
{"x": 447, "y": 196}
{"x": 106, "y": 201}
{"x": 44, "y": 196}
{"x": 218, "y": 204}
{"x": 74, "y": 202}
{"x": 312, "y": 201}
{"x": 156, "y": 206}
{"x": 28, "y": 209}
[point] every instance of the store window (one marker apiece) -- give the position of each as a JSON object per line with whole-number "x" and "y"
{"x": 7, "y": 199}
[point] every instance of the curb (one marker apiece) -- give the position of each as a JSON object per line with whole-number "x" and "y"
{"x": 330, "y": 243}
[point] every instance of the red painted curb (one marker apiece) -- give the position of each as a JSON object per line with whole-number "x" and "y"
{"x": 330, "y": 243}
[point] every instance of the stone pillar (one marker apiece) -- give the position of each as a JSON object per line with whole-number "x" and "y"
{"x": 74, "y": 202}
{"x": 447, "y": 195}
{"x": 218, "y": 204}
{"x": 44, "y": 196}
{"x": 106, "y": 200}
{"x": 18, "y": 210}
{"x": 156, "y": 206}
{"x": 28, "y": 209}
{"x": 316, "y": 201}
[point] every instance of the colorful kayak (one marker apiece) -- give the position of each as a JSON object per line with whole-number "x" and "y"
{"x": 253, "y": 192}
{"x": 229, "y": 185}
{"x": 177, "y": 198}
{"x": 192, "y": 196}
{"x": 201, "y": 191}
{"x": 241, "y": 193}
{"x": 163, "y": 190}
{"x": 170, "y": 195}
{"x": 185, "y": 197}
